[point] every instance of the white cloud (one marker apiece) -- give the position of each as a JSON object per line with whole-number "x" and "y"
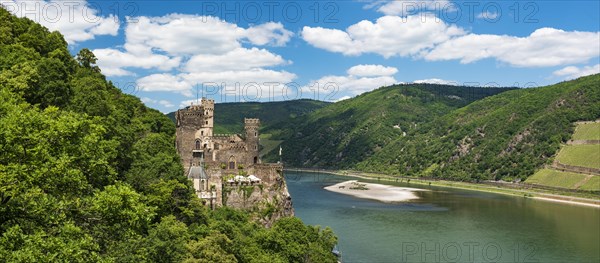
{"x": 240, "y": 78}
{"x": 436, "y": 81}
{"x": 113, "y": 61}
{"x": 371, "y": 70}
{"x": 186, "y": 103}
{"x": 178, "y": 34}
{"x": 388, "y": 36}
{"x": 352, "y": 85}
{"x": 166, "y": 103}
{"x": 250, "y": 84}
{"x": 343, "y": 98}
{"x": 572, "y": 72}
{"x": 165, "y": 82}
{"x": 147, "y": 100}
{"x": 427, "y": 37}
{"x": 237, "y": 59}
{"x": 411, "y": 7}
{"x": 544, "y": 47}
{"x": 270, "y": 33}
{"x": 488, "y": 15}
{"x": 76, "y": 20}
{"x": 202, "y": 48}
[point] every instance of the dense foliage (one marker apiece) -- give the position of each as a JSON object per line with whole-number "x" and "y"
{"x": 90, "y": 174}
{"x": 229, "y": 117}
{"x": 345, "y": 133}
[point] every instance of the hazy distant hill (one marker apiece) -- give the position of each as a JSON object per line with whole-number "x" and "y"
{"x": 229, "y": 117}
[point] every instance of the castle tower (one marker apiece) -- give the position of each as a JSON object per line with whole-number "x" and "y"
{"x": 194, "y": 131}
{"x": 251, "y": 127}
{"x": 209, "y": 112}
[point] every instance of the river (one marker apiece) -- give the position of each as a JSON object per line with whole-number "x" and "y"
{"x": 447, "y": 225}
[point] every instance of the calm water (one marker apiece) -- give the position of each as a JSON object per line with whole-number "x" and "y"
{"x": 448, "y": 225}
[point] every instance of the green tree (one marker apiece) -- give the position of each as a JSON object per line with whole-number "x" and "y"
{"x": 87, "y": 59}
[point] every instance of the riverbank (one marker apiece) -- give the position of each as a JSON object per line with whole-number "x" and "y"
{"x": 379, "y": 192}
{"x": 537, "y": 194}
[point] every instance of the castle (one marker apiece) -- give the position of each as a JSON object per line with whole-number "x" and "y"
{"x": 222, "y": 166}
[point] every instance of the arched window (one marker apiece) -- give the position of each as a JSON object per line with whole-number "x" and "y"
{"x": 231, "y": 163}
{"x": 255, "y": 159}
{"x": 202, "y": 133}
{"x": 197, "y": 145}
{"x": 255, "y": 134}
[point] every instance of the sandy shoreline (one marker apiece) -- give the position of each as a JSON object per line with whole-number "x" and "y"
{"x": 474, "y": 187}
{"x": 379, "y": 192}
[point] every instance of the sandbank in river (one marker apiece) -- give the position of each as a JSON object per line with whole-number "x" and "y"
{"x": 379, "y": 192}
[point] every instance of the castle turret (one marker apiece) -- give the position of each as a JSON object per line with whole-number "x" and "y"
{"x": 251, "y": 127}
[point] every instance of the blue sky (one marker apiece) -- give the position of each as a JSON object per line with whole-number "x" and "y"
{"x": 169, "y": 52}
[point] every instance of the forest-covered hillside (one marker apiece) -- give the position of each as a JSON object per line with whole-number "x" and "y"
{"x": 508, "y": 136}
{"x": 343, "y": 134}
{"x": 90, "y": 174}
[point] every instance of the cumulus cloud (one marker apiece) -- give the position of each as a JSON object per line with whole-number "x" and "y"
{"x": 436, "y": 81}
{"x": 363, "y": 79}
{"x": 179, "y": 34}
{"x": 165, "y": 82}
{"x": 411, "y": 7}
{"x": 270, "y": 33}
{"x": 239, "y": 77}
{"x": 77, "y": 20}
{"x": 164, "y": 103}
{"x": 488, "y": 15}
{"x": 371, "y": 70}
{"x": 237, "y": 59}
{"x": 572, "y": 72}
{"x": 250, "y": 84}
{"x": 388, "y": 36}
{"x": 201, "y": 48}
{"x": 426, "y": 37}
{"x": 543, "y": 48}
{"x": 113, "y": 61}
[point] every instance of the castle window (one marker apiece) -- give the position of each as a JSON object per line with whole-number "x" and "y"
{"x": 206, "y": 122}
{"x": 197, "y": 145}
{"x": 255, "y": 134}
{"x": 205, "y": 145}
{"x": 202, "y": 133}
{"x": 231, "y": 163}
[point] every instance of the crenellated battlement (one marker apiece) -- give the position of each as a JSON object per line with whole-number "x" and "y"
{"x": 251, "y": 121}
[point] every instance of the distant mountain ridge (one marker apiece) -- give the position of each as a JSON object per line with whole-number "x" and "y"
{"x": 348, "y": 132}
{"x": 229, "y": 116}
